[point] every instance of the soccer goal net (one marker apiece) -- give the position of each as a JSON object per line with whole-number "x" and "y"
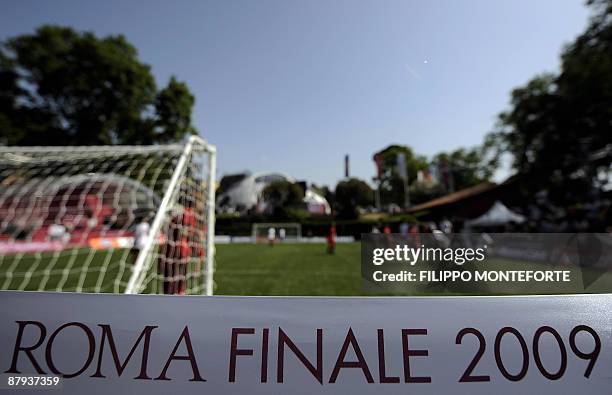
{"x": 121, "y": 219}
{"x": 276, "y": 232}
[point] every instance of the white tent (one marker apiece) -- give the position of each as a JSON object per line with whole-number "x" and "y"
{"x": 497, "y": 215}
{"x": 247, "y": 193}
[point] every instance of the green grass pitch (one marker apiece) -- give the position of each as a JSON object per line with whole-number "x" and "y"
{"x": 306, "y": 269}
{"x": 288, "y": 269}
{"x": 241, "y": 269}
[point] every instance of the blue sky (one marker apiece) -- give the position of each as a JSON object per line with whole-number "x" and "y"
{"x": 292, "y": 86}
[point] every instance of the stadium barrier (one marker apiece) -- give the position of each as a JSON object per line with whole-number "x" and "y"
{"x": 149, "y": 344}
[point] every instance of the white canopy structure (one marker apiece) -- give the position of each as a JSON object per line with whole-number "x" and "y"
{"x": 497, "y": 215}
{"x": 246, "y": 193}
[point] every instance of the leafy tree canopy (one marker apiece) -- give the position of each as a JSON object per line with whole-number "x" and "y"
{"x": 464, "y": 167}
{"x": 388, "y": 160}
{"x": 283, "y": 198}
{"x": 62, "y": 87}
{"x": 350, "y": 195}
{"x": 391, "y": 184}
{"x": 558, "y": 127}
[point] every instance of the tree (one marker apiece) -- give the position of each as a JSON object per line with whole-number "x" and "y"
{"x": 61, "y": 87}
{"x": 391, "y": 184}
{"x": 350, "y": 195}
{"x": 463, "y": 168}
{"x": 558, "y": 126}
{"x": 424, "y": 191}
{"x": 173, "y": 106}
{"x": 283, "y": 198}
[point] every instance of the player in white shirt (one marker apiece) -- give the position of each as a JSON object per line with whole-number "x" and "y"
{"x": 271, "y": 236}
{"x": 141, "y": 235}
{"x": 57, "y": 232}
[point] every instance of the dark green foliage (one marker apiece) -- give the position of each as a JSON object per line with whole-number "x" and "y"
{"x": 467, "y": 167}
{"x": 391, "y": 185}
{"x": 559, "y": 126}
{"x": 350, "y": 195}
{"x": 61, "y": 87}
{"x": 284, "y": 200}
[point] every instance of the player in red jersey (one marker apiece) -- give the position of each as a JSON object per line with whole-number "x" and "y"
{"x": 175, "y": 258}
{"x": 331, "y": 239}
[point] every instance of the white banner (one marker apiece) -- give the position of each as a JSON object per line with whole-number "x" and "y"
{"x": 118, "y": 344}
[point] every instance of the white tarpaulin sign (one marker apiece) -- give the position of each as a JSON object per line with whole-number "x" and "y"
{"x": 117, "y": 344}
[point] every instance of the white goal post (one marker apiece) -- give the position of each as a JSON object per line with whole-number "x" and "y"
{"x": 120, "y": 219}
